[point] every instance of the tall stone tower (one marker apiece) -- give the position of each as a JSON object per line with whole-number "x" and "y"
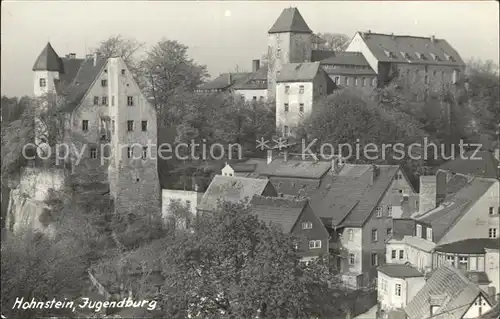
{"x": 132, "y": 171}
{"x": 46, "y": 71}
{"x": 290, "y": 41}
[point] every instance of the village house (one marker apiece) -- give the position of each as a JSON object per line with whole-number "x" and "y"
{"x": 448, "y": 293}
{"x": 235, "y": 190}
{"x": 371, "y": 60}
{"x": 397, "y": 285}
{"x": 294, "y": 216}
{"x": 298, "y": 85}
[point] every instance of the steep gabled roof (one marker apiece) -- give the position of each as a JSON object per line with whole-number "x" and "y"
{"x": 296, "y": 168}
{"x": 224, "y": 81}
{"x": 450, "y": 289}
{"x": 82, "y": 82}
{"x": 345, "y": 58}
{"x": 48, "y": 60}
{"x": 455, "y": 206}
{"x": 410, "y": 49}
{"x": 482, "y": 164}
{"x": 349, "y": 198}
{"x": 67, "y": 76}
{"x": 290, "y": 20}
{"x": 282, "y": 212}
{"x": 232, "y": 189}
{"x": 255, "y": 81}
{"x": 298, "y": 72}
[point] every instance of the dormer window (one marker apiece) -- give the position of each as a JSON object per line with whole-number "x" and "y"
{"x": 449, "y": 57}
{"x": 43, "y": 82}
{"x": 389, "y": 54}
{"x": 435, "y": 57}
{"x": 421, "y": 56}
{"x": 405, "y": 55}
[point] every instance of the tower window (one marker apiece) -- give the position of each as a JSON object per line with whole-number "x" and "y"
{"x": 93, "y": 152}
{"x": 104, "y": 83}
{"x": 104, "y": 100}
{"x": 301, "y": 89}
{"x": 286, "y": 107}
{"x": 113, "y": 126}
{"x": 286, "y": 130}
{"x": 129, "y": 152}
{"x": 96, "y": 100}
{"x": 123, "y": 71}
{"x": 144, "y": 126}
{"x": 130, "y": 100}
{"x": 85, "y": 125}
{"x": 130, "y": 126}
{"x": 301, "y": 107}
{"x": 278, "y": 52}
{"x": 43, "y": 82}
{"x": 287, "y": 89}
{"x": 144, "y": 152}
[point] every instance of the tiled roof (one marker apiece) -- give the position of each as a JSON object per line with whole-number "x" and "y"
{"x": 399, "y": 271}
{"x": 448, "y": 286}
{"x": 290, "y": 20}
{"x": 482, "y": 164}
{"x": 225, "y": 80}
{"x": 381, "y": 44}
{"x": 68, "y": 74}
{"x": 283, "y": 212}
{"x": 293, "y": 186}
{"x": 318, "y": 55}
{"x": 256, "y": 81}
{"x": 478, "y": 277}
{"x": 243, "y": 168}
{"x": 232, "y": 189}
{"x": 297, "y": 72}
{"x": 48, "y": 60}
{"x": 82, "y": 82}
{"x": 354, "y": 196}
{"x": 347, "y": 71}
{"x": 416, "y": 242}
{"x": 455, "y": 206}
{"x": 296, "y": 168}
{"x": 345, "y": 58}
{"x": 469, "y": 246}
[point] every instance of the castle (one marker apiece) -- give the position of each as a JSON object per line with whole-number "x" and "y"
{"x": 297, "y": 73}
{"x": 109, "y": 125}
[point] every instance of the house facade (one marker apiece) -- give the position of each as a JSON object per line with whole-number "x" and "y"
{"x": 110, "y": 123}
{"x": 397, "y": 285}
{"x": 298, "y": 85}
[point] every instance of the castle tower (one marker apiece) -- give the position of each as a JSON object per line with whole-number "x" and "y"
{"x": 289, "y": 41}
{"x": 132, "y": 171}
{"x": 46, "y": 71}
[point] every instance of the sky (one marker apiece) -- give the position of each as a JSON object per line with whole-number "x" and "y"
{"x": 227, "y": 34}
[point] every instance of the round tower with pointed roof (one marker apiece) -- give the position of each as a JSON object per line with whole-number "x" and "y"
{"x": 46, "y": 71}
{"x": 289, "y": 41}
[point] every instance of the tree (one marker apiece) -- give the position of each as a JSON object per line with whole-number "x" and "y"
{"x": 126, "y": 48}
{"x": 236, "y": 266}
{"x": 36, "y": 267}
{"x": 167, "y": 71}
{"x": 483, "y": 95}
{"x": 331, "y": 41}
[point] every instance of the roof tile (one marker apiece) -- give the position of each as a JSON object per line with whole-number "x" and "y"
{"x": 283, "y": 212}
{"x": 48, "y": 60}
{"x": 400, "y": 271}
{"x": 290, "y": 20}
{"x": 296, "y": 72}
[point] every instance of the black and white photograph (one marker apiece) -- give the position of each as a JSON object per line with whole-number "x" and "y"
{"x": 250, "y": 159}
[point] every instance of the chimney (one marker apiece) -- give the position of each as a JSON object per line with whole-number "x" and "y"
{"x": 269, "y": 156}
{"x": 255, "y": 65}
{"x": 375, "y": 173}
{"x": 95, "y": 59}
{"x": 229, "y": 82}
{"x": 337, "y": 164}
{"x": 433, "y": 38}
{"x": 285, "y": 156}
{"x": 72, "y": 56}
{"x": 427, "y": 194}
